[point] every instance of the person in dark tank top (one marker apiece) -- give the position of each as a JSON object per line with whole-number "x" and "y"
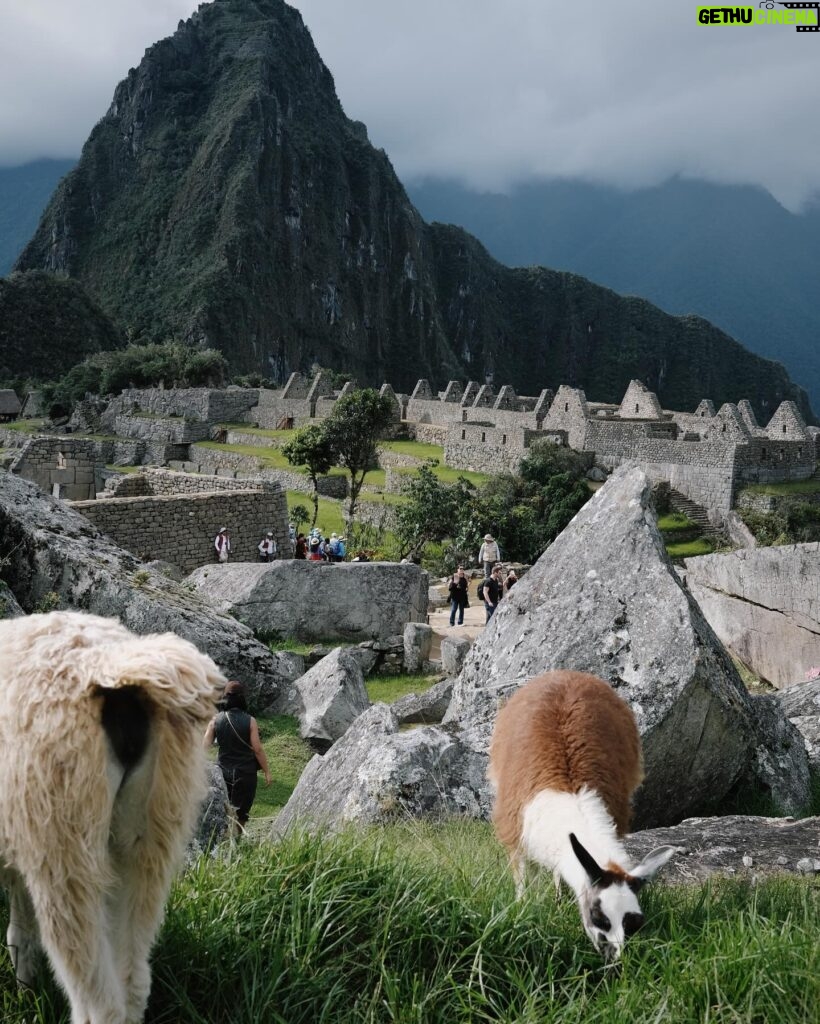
{"x": 241, "y": 754}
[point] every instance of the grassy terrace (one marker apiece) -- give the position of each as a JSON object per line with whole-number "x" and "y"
{"x": 418, "y": 449}
{"x": 33, "y": 426}
{"x": 330, "y": 512}
{"x": 682, "y": 537}
{"x": 791, "y": 488}
{"x": 415, "y": 923}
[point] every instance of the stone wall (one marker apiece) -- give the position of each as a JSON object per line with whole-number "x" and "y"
{"x": 764, "y": 461}
{"x": 764, "y": 604}
{"x": 485, "y": 449}
{"x": 62, "y": 467}
{"x": 180, "y": 529}
{"x": 233, "y": 465}
{"x": 158, "y": 428}
{"x": 429, "y": 433}
{"x": 374, "y": 513}
{"x": 207, "y": 405}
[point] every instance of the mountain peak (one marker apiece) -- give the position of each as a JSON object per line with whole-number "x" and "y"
{"x": 225, "y": 199}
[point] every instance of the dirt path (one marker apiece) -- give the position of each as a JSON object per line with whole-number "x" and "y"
{"x": 474, "y": 617}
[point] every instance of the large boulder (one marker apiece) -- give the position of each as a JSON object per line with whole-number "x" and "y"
{"x": 375, "y": 774}
{"x": 53, "y": 557}
{"x": 764, "y": 604}
{"x": 328, "y": 698}
{"x": 9, "y": 606}
{"x": 216, "y": 816}
{"x": 605, "y": 599}
{"x": 317, "y": 600}
{"x": 424, "y": 708}
{"x": 454, "y": 651}
{"x": 734, "y": 846}
{"x": 801, "y": 705}
{"x": 418, "y": 642}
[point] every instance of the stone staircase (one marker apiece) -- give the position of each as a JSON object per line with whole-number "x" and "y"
{"x": 696, "y": 513}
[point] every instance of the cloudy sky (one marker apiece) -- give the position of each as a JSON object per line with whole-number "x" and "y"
{"x": 490, "y": 92}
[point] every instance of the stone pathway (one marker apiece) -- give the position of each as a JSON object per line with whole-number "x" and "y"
{"x": 473, "y": 622}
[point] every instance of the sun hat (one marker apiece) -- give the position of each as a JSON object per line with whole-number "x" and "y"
{"x": 223, "y": 529}
{"x": 488, "y": 536}
{"x": 269, "y": 533}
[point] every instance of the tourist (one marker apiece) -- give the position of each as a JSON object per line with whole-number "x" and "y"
{"x": 222, "y": 544}
{"x": 342, "y": 555}
{"x": 493, "y": 591}
{"x": 313, "y": 548}
{"x": 292, "y": 538}
{"x": 459, "y": 600}
{"x": 267, "y": 548}
{"x": 489, "y": 554}
{"x": 510, "y": 581}
{"x": 333, "y": 548}
{"x": 241, "y": 754}
{"x": 301, "y": 547}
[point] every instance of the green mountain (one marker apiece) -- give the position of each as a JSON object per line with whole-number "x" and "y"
{"x": 24, "y": 192}
{"x": 729, "y": 253}
{"x": 226, "y": 199}
{"x": 47, "y": 324}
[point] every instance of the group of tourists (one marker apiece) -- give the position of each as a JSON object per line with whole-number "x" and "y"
{"x": 267, "y": 547}
{"x": 316, "y": 548}
{"x": 491, "y": 589}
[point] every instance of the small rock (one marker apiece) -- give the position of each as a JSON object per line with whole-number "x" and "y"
{"x": 454, "y": 649}
{"x": 417, "y": 642}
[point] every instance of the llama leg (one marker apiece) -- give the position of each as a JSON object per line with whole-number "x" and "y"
{"x": 73, "y": 928}
{"x": 23, "y": 935}
{"x": 519, "y": 867}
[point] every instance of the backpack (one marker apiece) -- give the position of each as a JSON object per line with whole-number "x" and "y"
{"x": 480, "y": 590}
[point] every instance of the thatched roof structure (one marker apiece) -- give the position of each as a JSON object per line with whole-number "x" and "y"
{"x": 9, "y": 403}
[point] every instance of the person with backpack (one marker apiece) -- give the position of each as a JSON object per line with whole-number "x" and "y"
{"x": 492, "y": 591}
{"x": 333, "y": 548}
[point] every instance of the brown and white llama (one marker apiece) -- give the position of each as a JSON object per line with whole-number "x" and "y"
{"x": 565, "y": 759}
{"x": 103, "y": 778}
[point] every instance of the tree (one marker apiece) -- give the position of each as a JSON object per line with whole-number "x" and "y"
{"x": 433, "y": 511}
{"x": 311, "y": 446}
{"x": 298, "y": 515}
{"x": 354, "y": 427}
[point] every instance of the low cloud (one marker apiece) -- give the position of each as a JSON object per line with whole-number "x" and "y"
{"x": 489, "y": 93}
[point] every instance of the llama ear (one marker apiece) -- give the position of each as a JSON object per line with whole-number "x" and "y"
{"x": 654, "y": 861}
{"x": 587, "y": 861}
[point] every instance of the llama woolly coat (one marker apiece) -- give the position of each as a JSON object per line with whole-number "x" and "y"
{"x": 103, "y": 777}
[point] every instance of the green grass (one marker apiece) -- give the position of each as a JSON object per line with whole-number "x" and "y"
{"x": 248, "y": 428}
{"x": 330, "y": 512}
{"x": 287, "y": 756}
{"x": 270, "y": 457}
{"x": 418, "y": 449}
{"x": 675, "y": 521}
{"x": 385, "y": 498}
{"x": 448, "y": 475}
{"x": 389, "y": 688}
{"x": 690, "y": 548}
{"x": 810, "y": 486}
{"x": 417, "y": 923}
{"x": 33, "y": 426}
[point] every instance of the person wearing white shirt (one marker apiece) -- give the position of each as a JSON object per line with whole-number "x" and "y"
{"x": 267, "y": 548}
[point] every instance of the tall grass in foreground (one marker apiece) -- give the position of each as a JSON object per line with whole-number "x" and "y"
{"x": 417, "y": 923}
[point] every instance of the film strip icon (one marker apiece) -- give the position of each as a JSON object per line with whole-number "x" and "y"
{"x": 803, "y": 7}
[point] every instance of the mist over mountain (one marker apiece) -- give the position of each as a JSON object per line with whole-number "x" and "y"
{"x": 732, "y": 254}
{"x": 24, "y": 192}
{"x": 227, "y": 200}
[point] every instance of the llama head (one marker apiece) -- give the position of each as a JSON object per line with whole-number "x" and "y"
{"x": 609, "y": 901}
